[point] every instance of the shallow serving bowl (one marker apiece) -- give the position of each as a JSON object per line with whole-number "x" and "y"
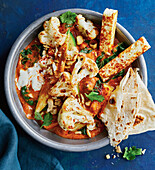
{"x": 30, "y": 126}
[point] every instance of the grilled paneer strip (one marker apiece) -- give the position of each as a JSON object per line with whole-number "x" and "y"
{"x": 108, "y": 28}
{"x": 124, "y": 59}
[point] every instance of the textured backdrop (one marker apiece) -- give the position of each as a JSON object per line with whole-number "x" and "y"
{"x": 137, "y": 16}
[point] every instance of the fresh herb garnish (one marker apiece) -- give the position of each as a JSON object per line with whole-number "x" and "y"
{"x": 83, "y": 130}
{"x": 47, "y": 120}
{"x": 121, "y": 73}
{"x": 121, "y": 47}
{"x": 100, "y": 63}
{"x": 95, "y": 96}
{"x": 86, "y": 50}
{"x": 24, "y": 54}
{"x": 132, "y": 153}
{"x": 24, "y": 94}
{"x": 68, "y": 17}
{"x": 38, "y": 116}
{"x": 87, "y": 41}
{"x": 37, "y": 46}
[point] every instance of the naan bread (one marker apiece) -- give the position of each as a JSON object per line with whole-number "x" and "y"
{"x": 119, "y": 114}
{"x": 130, "y": 110}
{"x": 145, "y": 118}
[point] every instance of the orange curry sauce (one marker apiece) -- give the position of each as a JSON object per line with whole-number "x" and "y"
{"x": 94, "y": 107}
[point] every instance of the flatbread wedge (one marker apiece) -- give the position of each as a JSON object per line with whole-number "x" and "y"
{"x": 108, "y": 28}
{"x": 124, "y": 59}
{"x": 119, "y": 114}
{"x": 145, "y": 118}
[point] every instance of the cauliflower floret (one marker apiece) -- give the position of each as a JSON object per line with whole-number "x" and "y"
{"x": 51, "y": 35}
{"x": 86, "y": 27}
{"x": 73, "y": 116}
{"x": 84, "y": 66}
{"x": 62, "y": 87}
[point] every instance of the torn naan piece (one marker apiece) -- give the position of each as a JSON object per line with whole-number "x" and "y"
{"x": 145, "y": 118}
{"x": 119, "y": 114}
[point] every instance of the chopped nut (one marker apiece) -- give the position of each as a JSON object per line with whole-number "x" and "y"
{"x": 93, "y": 46}
{"x": 54, "y": 111}
{"x": 143, "y": 151}
{"x": 88, "y": 103}
{"x": 44, "y": 52}
{"x": 88, "y": 133}
{"x": 107, "y": 156}
{"x": 82, "y": 98}
{"x": 79, "y": 40}
{"x": 118, "y": 149}
{"x": 57, "y": 102}
{"x": 114, "y": 156}
{"x": 78, "y": 132}
{"x": 50, "y": 105}
{"x": 30, "y": 95}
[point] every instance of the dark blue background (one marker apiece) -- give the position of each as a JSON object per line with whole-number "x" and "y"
{"x": 137, "y": 16}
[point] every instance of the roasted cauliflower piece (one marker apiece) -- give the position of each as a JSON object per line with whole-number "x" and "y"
{"x": 84, "y": 67}
{"x": 62, "y": 87}
{"x": 73, "y": 116}
{"x": 51, "y": 35}
{"x": 86, "y": 27}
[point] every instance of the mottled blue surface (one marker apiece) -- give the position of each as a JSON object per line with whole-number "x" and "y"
{"x": 138, "y": 17}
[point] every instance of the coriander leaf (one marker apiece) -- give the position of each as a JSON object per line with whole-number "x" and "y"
{"x": 86, "y": 50}
{"x": 95, "y": 96}
{"x": 83, "y": 130}
{"x": 38, "y": 116}
{"x": 132, "y": 152}
{"x": 121, "y": 73}
{"x": 68, "y": 17}
{"x": 47, "y": 120}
